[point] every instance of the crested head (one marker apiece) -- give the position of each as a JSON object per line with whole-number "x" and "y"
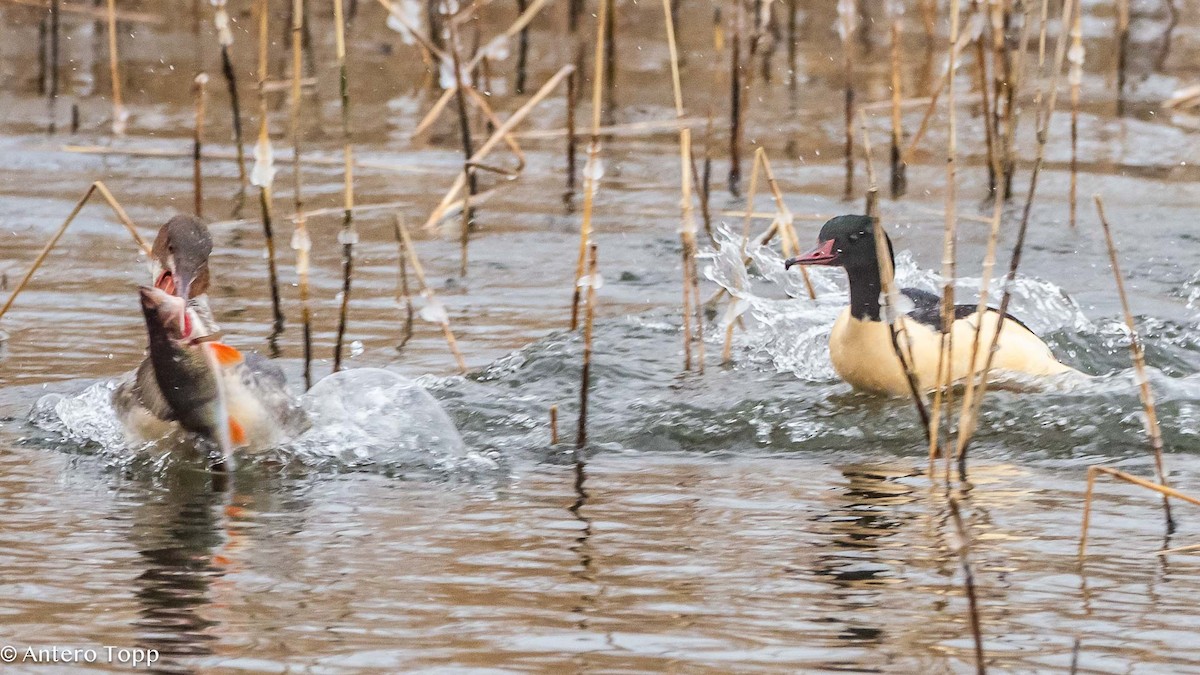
{"x": 849, "y": 242}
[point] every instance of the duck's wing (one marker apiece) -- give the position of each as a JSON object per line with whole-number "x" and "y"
{"x": 927, "y": 309}
{"x": 265, "y": 381}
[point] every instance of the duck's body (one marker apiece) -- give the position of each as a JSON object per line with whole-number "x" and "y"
{"x": 860, "y": 344}
{"x": 188, "y": 379}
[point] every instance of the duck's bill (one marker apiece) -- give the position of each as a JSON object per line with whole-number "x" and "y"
{"x": 821, "y": 255}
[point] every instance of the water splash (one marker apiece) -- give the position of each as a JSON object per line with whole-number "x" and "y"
{"x": 365, "y": 417}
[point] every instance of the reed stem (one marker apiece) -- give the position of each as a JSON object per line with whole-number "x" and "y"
{"x": 348, "y": 235}
{"x": 199, "y": 88}
{"x": 586, "y": 375}
{"x": 120, "y": 115}
{"x": 439, "y": 314}
{"x": 301, "y": 242}
{"x": 264, "y": 167}
{"x": 1138, "y": 353}
{"x": 225, "y": 39}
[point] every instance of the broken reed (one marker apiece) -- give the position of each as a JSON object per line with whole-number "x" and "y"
{"x": 736, "y": 108}
{"x": 301, "y": 242}
{"x": 1093, "y": 471}
{"x": 264, "y": 165}
{"x": 438, "y": 313}
{"x": 348, "y": 236}
{"x": 96, "y": 187}
{"x": 1139, "y": 358}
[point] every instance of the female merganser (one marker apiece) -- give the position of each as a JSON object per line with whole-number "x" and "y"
{"x": 180, "y": 256}
{"x": 205, "y": 387}
{"x": 254, "y": 389}
{"x": 860, "y": 344}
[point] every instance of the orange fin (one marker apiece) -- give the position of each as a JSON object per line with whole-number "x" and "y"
{"x": 226, "y": 355}
{"x": 236, "y": 433}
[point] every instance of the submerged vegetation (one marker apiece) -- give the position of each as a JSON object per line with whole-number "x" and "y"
{"x": 975, "y": 86}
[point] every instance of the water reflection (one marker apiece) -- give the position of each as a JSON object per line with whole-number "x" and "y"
{"x": 178, "y": 533}
{"x": 866, "y": 515}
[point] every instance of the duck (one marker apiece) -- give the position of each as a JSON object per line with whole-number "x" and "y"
{"x": 860, "y": 343}
{"x": 189, "y": 378}
{"x": 179, "y": 257}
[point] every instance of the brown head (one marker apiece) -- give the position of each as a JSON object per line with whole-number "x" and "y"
{"x": 182, "y": 248}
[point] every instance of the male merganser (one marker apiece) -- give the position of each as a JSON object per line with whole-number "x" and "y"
{"x": 860, "y": 344}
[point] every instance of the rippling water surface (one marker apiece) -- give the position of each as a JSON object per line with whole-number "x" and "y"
{"x": 758, "y": 517}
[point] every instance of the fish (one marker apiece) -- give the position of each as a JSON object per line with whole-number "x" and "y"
{"x": 189, "y": 376}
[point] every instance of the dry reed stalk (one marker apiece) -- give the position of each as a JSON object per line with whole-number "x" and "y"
{"x": 1093, "y": 471}
{"x": 94, "y": 12}
{"x": 572, "y": 94}
{"x": 554, "y": 424}
{"x": 1138, "y": 354}
{"x": 1075, "y": 79}
{"x": 963, "y": 548}
{"x": 503, "y": 130}
{"x": 967, "y": 415}
{"x": 1122, "y": 52}
{"x": 1043, "y": 114}
{"x": 522, "y": 51}
{"x": 494, "y": 123}
{"x": 264, "y": 167}
{"x": 53, "y": 241}
{"x": 704, "y": 180}
{"x": 348, "y": 236}
{"x": 909, "y": 152}
{"x": 945, "y": 370}
{"x": 735, "y": 99}
{"x": 899, "y": 180}
{"x": 1016, "y": 75}
{"x": 1000, "y": 18}
{"x": 402, "y": 292}
{"x": 225, "y": 39}
{"x": 872, "y": 200}
{"x": 985, "y": 112}
{"x": 198, "y": 87}
{"x": 590, "y": 315}
{"x": 591, "y": 169}
{"x": 464, "y": 130}
{"x": 426, "y": 43}
{"x": 687, "y": 227}
{"x": 52, "y": 93}
{"x": 217, "y": 154}
{"x": 847, "y": 23}
{"x": 610, "y": 65}
{"x": 643, "y": 128}
{"x": 431, "y": 300}
{"x": 120, "y": 115}
{"x": 791, "y": 45}
{"x": 887, "y": 278}
{"x": 301, "y": 242}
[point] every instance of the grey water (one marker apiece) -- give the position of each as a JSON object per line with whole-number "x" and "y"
{"x": 756, "y": 517}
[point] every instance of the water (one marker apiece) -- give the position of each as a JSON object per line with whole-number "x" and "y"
{"x": 754, "y": 518}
